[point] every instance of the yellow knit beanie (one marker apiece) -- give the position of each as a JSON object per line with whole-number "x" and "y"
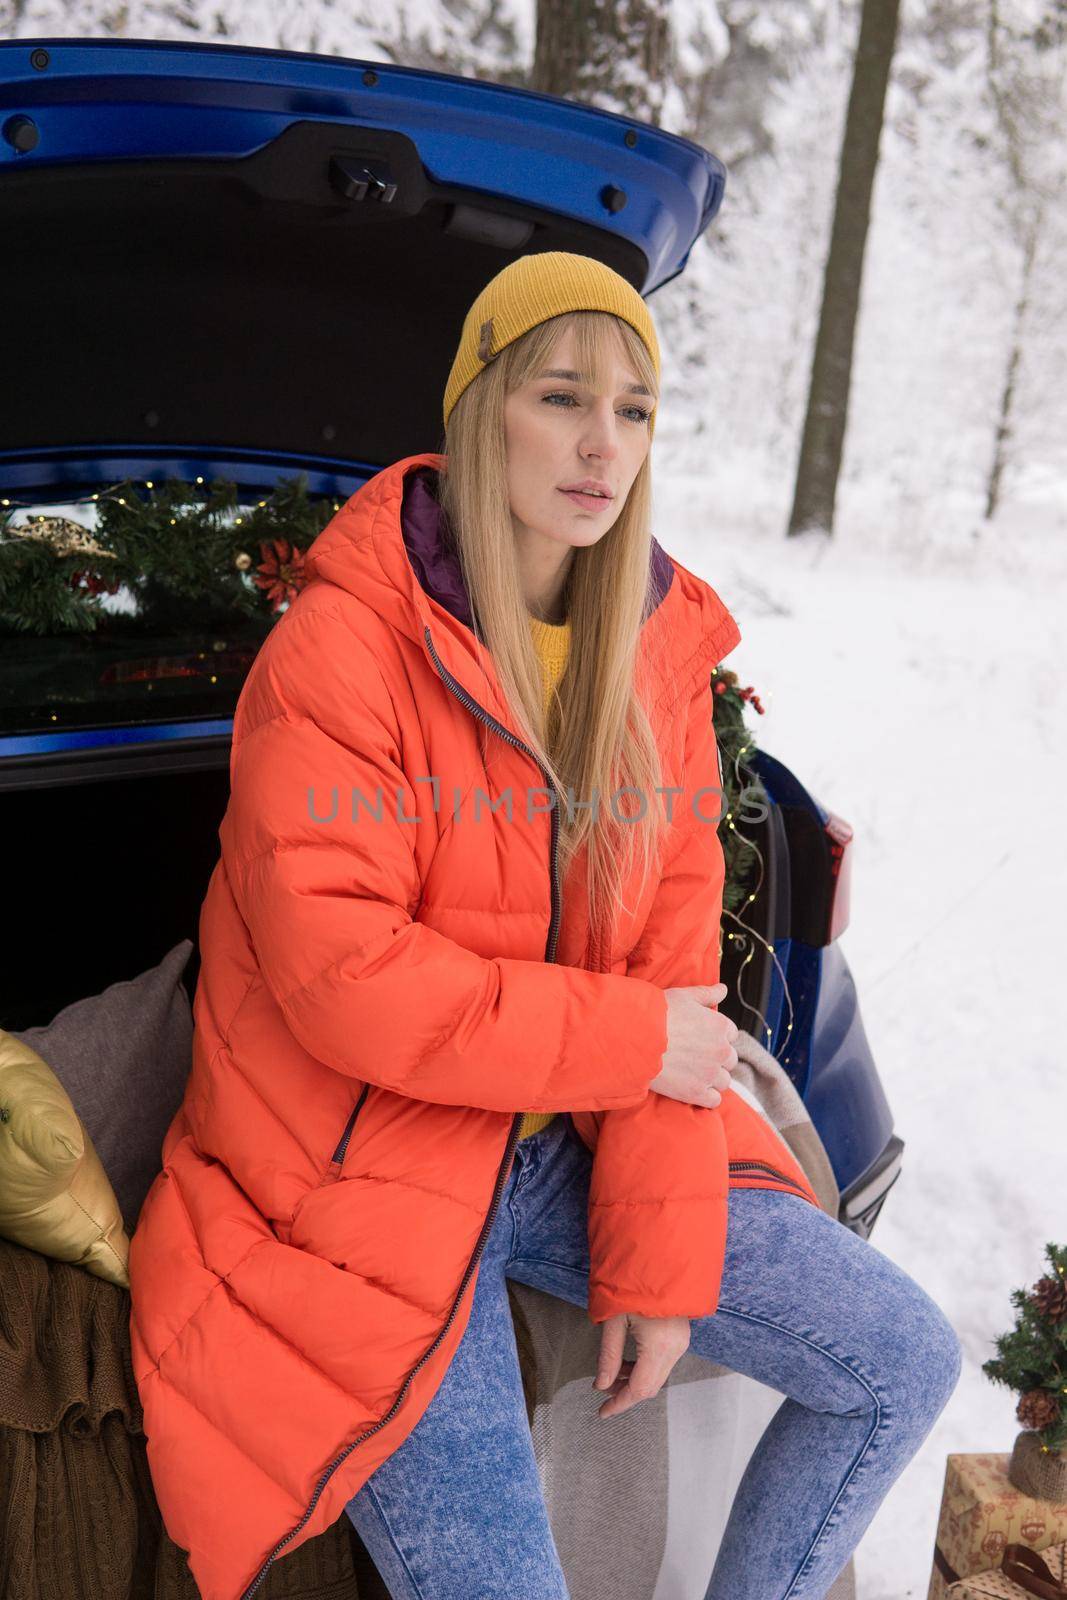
{"x": 529, "y": 291}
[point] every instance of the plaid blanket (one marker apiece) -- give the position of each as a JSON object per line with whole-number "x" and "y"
{"x": 644, "y": 1520}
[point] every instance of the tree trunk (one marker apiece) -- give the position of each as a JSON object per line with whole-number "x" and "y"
{"x": 1026, "y": 82}
{"x": 831, "y": 372}
{"x": 1007, "y": 394}
{"x": 609, "y": 53}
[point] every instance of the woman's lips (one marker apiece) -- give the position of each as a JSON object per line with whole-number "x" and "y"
{"x": 590, "y": 502}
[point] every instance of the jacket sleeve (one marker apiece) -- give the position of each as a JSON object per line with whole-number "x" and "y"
{"x": 330, "y": 910}
{"x": 659, "y": 1183}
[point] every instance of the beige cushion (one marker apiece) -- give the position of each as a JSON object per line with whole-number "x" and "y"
{"x": 54, "y": 1193}
{"x": 124, "y": 1056}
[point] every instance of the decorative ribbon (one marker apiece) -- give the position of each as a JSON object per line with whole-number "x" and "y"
{"x": 944, "y": 1566}
{"x": 1026, "y": 1568}
{"x": 1021, "y": 1566}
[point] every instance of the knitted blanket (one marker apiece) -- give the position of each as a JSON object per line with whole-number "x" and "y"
{"x": 644, "y": 1519}
{"x": 78, "y": 1514}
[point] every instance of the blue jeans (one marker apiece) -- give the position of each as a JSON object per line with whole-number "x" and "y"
{"x": 865, "y": 1358}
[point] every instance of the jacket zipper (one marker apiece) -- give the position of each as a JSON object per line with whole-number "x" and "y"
{"x": 509, "y": 1150}
{"x": 764, "y": 1166}
{"x": 513, "y": 739}
{"x": 338, "y": 1157}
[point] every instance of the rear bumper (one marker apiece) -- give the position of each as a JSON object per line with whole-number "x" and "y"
{"x": 863, "y": 1199}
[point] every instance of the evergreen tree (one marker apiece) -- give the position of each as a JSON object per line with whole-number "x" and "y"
{"x": 1032, "y": 1358}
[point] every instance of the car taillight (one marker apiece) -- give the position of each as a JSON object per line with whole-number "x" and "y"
{"x": 839, "y": 836}
{"x": 152, "y": 669}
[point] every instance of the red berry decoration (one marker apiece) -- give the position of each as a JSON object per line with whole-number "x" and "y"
{"x": 93, "y": 582}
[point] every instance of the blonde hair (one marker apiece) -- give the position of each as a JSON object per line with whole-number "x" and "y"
{"x": 596, "y": 737}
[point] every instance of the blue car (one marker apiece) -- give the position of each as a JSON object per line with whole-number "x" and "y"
{"x": 251, "y": 264}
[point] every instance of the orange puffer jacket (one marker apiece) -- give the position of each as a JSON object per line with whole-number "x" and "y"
{"x": 387, "y": 984}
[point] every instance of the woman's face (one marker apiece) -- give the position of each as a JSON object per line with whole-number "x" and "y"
{"x": 560, "y": 432}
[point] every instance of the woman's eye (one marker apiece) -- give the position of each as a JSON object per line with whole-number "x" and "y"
{"x": 641, "y": 414}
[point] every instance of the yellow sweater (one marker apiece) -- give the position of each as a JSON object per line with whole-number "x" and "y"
{"x": 551, "y": 641}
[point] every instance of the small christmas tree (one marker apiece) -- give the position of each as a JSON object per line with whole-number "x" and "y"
{"x": 1032, "y": 1358}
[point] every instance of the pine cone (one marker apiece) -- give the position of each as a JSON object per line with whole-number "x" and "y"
{"x": 1038, "y": 1409}
{"x": 1049, "y": 1298}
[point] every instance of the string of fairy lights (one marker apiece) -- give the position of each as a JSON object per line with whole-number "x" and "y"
{"x": 750, "y": 938}
{"x": 6, "y": 503}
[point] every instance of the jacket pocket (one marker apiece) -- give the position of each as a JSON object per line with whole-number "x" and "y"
{"x": 337, "y": 1159}
{"x": 764, "y": 1174}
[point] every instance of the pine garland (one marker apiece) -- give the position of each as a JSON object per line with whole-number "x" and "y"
{"x": 1032, "y": 1357}
{"x": 741, "y": 785}
{"x": 185, "y": 553}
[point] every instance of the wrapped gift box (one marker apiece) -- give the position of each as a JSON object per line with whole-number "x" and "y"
{"x": 996, "y": 1585}
{"x": 981, "y": 1512}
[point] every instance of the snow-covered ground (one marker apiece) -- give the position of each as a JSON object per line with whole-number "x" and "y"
{"x": 926, "y": 702}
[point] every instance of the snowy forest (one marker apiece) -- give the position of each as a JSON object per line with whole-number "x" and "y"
{"x": 862, "y": 445}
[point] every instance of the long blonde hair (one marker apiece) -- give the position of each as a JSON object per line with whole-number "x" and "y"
{"x": 596, "y": 737}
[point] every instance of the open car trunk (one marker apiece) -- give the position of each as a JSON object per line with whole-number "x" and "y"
{"x": 102, "y": 879}
{"x": 256, "y": 250}
{"x": 246, "y": 264}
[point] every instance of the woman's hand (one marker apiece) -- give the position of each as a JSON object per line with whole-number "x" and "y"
{"x": 660, "y": 1341}
{"x": 700, "y": 1054}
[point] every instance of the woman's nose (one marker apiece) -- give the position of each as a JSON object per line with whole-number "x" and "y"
{"x": 601, "y": 434}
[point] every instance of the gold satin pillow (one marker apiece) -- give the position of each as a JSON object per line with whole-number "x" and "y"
{"x": 54, "y": 1193}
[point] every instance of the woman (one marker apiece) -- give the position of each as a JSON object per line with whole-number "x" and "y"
{"x": 456, "y": 1022}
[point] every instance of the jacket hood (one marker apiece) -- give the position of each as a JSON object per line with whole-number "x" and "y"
{"x": 390, "y": 545}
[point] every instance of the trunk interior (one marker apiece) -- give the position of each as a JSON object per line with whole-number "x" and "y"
{"x": 106, "y": 877}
